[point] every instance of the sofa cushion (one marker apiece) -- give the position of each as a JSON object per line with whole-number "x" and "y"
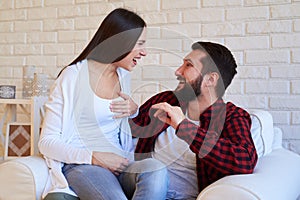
{"x": 262, "y": 131}
{"x": 23, "y": 178}
{"x": 276, "y": 177}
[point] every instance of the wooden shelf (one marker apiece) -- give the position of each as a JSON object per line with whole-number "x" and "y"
{"x": 15, "y": 101}
{"x": 36, "y": 114}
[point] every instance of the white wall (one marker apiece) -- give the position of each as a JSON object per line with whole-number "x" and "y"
{"x": 264, "y": 36}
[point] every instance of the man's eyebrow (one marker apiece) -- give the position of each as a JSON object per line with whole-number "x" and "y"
{"x": 188, "y": 60}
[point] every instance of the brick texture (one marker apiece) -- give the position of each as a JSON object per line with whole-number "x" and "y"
{"x": 264, "y": 37}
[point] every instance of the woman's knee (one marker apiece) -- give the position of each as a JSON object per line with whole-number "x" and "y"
{"x": 146, "y": 165}
{"x": 155, "y": 173}
{"x": 60, "y": 196}
{"x": 90, "y": 182}
{"x": 155, "y": 183}
{"x": 159, "y": 177}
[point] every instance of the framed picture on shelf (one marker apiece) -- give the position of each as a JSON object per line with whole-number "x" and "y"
{"x": 17, "y": 141}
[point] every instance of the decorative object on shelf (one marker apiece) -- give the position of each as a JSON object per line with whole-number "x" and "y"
{"x": 7, "y": 91}
{"x": 18, "y": 139}
{"x": 28, "y": 76}
{"x": 40, "y": 84}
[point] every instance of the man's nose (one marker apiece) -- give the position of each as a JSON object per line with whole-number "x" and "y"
{"x": 179, "y": 71}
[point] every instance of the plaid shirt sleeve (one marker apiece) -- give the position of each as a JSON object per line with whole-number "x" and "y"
{"x": 223, "y": 140}
{"x": 146, "y": 127}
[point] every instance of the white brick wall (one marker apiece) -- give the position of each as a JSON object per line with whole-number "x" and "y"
{"x": 264, "y": 37}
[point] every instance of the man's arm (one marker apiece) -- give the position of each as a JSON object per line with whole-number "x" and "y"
{"x": 230, "y": 153}
{"x": 145, "y": 124}
{"x": 146, "y": 127}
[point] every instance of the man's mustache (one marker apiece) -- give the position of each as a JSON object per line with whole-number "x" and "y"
{"x": 181, "y": 79}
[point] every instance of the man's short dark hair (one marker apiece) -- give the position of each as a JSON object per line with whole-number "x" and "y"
{"x": 219, "y": 60}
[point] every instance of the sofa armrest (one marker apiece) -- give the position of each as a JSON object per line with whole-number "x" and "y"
{"x": 23, "y": 178}
{"x": 262, "y": 131}
{"x": 277, "y": 142}
{"x": 276, "y": 177}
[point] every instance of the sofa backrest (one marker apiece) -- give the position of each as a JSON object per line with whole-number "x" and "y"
{"x": 262, "y": 131}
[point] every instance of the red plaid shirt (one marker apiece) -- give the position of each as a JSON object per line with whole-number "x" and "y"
{"x": 222, "y": 143}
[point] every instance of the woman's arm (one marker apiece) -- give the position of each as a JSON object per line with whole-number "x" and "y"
{"x": 54, "y": 142}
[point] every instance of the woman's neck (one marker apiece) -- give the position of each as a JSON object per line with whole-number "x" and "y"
{"x": 101, "y": 69}
{"x": 104, "y": 79}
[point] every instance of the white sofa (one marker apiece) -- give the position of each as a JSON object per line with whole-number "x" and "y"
{"x": 276, "y": 176}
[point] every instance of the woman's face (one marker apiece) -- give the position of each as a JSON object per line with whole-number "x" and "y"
{"x": 138, "y": 51}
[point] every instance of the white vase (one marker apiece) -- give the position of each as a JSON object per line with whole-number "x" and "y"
{"x": 28, "y": 76}
{"x": 40, "y": 84}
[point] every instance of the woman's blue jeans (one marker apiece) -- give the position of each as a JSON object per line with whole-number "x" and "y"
{"x": 143, "y": 180}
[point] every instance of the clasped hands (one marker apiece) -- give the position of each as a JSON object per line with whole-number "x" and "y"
{"x": 111, "y": 161}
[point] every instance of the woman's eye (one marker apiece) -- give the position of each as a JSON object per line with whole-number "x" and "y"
{"x": 140, "y": 43}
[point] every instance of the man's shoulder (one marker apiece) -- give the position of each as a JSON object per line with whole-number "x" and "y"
{"x": 166, "y": 93}
{"x": 165, "y": 96}
{"x": 234, "y": 110}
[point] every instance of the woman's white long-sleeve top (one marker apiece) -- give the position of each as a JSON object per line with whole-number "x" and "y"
{"x": 70, "y": 95}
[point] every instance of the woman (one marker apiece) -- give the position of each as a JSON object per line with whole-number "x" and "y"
{"x": 85, "y": 140}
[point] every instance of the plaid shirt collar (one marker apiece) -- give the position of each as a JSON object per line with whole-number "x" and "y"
{"x": 212, "y": 110}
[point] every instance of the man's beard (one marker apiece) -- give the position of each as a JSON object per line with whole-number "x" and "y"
{"x": 190, "y": 91}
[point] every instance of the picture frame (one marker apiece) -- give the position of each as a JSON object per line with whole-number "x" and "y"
{"x": 17, "y": 143}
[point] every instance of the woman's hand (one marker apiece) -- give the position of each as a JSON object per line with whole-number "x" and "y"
{"x": 126, "y": 107}
{"x": 111, "y": 161}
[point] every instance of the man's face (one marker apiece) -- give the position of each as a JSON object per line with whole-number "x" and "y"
{"x": 189, "y": 76}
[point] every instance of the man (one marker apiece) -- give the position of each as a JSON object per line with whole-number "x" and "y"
{"x": 191, "y": 130}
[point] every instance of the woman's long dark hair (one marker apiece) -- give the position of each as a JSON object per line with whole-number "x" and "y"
{"x": 115, "y": 38}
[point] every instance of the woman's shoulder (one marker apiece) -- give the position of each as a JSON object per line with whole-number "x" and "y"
{"x": 71, "y": 72}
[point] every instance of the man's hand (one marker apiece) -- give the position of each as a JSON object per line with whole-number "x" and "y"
{"x": 171, "y": 115}
{"x": 125, "y": 107}
{"x": 111, "y": 161}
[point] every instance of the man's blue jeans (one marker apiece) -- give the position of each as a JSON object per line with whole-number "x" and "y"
{"x": 142, "y": 180}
